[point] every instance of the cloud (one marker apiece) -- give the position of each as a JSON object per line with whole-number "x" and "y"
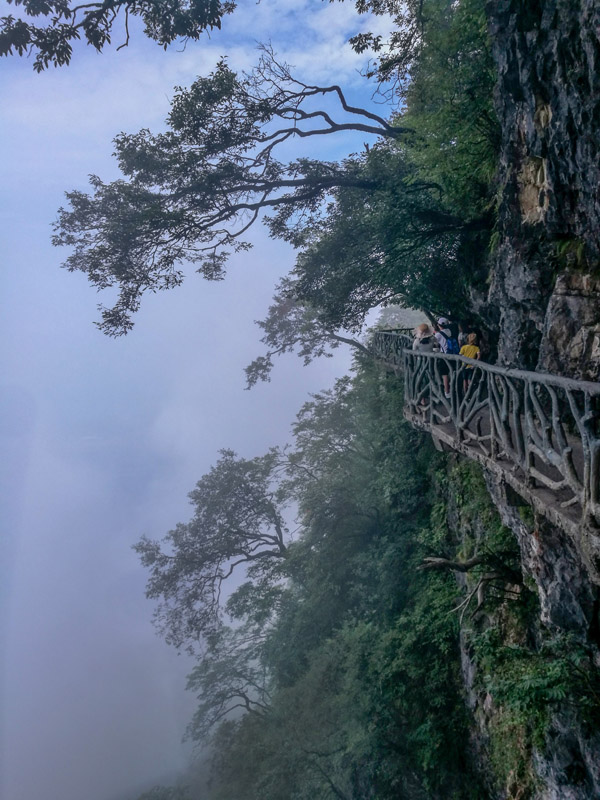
{"x": 123, "y": 429}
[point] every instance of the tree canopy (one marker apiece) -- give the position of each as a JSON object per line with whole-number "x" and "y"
{"x": 336, "y": 671}
{"x": 238, "y": 521}
{"x": 406, "y": 220}
{"x": 418, "y": 232}
{"x": 193, "y": 192}
{"x": 48, "y": 28}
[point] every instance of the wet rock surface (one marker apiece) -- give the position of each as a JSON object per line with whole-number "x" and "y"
{"x": 570, "y": 768}
{"x": 545, "y": 297}
{"x": 571, "y": 333}
{"x": 548, "y": 103}
{"x": 566, "y": 593}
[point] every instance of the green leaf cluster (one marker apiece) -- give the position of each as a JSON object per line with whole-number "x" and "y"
{"x": 48, "y": 28}
{"x": 532, "y": 682}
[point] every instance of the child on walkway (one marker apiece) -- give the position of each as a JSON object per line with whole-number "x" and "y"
{"x": 470, "y": 350}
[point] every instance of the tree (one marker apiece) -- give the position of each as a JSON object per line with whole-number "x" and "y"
{"x": 396, "y": 55}
{"x": 392, "y": 222}
{"x": 395, "y": 242}
{"x": 231, "y": 675}
{"x": 417, "y": 232}
{"x": 194, "y": 191}
{"x": 64, "y": 22}
{"x": 340, "y": 673}
{"x": 291, "y": 325}
{"x": 238, "y": 524}
{"x": 360, "y": 656}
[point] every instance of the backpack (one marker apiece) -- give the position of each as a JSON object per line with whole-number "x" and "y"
{"x": 452, "y": 346}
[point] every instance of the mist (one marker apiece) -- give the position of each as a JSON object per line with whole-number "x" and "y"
{"x": 103, "y": 438}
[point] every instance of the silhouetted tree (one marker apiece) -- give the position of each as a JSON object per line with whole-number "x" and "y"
{"x": 237, "y": 525}
{"x": 48, "y": 28}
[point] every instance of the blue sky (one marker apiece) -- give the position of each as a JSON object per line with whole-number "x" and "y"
{"x": 103, "y": 438}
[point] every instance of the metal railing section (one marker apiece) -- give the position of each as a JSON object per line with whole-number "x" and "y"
{"x": 541, "y": 431}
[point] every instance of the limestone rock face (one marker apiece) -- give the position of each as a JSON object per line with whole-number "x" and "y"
{"x": 571, "y": 333}
{"x": 548, "y": 103}
{"x": 544, "y": 302}
{"x": 565, "y": 591}
{"x": 570, "y": 770}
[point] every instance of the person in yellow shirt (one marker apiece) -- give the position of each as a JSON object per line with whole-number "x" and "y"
{"x": 470, "y": 350}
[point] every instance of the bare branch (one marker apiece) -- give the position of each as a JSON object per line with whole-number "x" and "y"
{"x": 456, "y": 566}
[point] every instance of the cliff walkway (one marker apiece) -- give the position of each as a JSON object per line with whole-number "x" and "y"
{"x": 539, "y": 433}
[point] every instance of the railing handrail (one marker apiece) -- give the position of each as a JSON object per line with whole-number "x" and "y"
{"x": 511, "y": 372}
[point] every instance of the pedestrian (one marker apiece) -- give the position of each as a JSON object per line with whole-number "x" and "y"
{"x": 425, "y": 341}
{"x": 447, "y": 338}
{"x": 470, "y": 350}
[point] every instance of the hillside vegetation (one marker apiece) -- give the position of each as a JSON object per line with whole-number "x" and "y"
{"x": 387, "y": 639}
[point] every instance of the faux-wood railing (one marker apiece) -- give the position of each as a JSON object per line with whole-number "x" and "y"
{"x": 539, "y": 432}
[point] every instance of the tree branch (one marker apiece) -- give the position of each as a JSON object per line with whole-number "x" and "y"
{"x": 456, "y": 566}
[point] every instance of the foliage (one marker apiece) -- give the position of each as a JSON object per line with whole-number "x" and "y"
{"x": 339, "y": 674}
{"x": 390, "y": 243}
{"x": 405, "y": 221}
{"x": 238, "y": 522}
{"x": 294, "y": 325}
{"x": 397, "y": 54}
{"x": 449, "y": 106}
{"x": 394, "y": 244}
{"x": 193, "y": 192}
{"x": 531, "y": 683}
{"x": 417, "y": 231}
{"x": 344, "y": 656}
{"x": 528, "y": 675}
{"x": 65, "y": 22}
{"x": 230, "y": 675}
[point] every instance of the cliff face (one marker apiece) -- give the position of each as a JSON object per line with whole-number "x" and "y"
{"x": 567, "y": 764}
{"x": 547, "y": 605}
{"x": 544, "y": 302}
{"x": 544, "y": 292}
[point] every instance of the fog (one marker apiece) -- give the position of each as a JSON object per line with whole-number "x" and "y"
{"x": 102, "y": 439}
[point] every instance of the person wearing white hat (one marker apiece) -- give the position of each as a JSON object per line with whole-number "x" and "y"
{"x": 443, "y": 333}
{"x": 425, "y": 339}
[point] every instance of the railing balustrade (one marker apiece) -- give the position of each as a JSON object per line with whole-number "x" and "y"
{"x": 541, "y": 432}
{"x": 389, "y": 344}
